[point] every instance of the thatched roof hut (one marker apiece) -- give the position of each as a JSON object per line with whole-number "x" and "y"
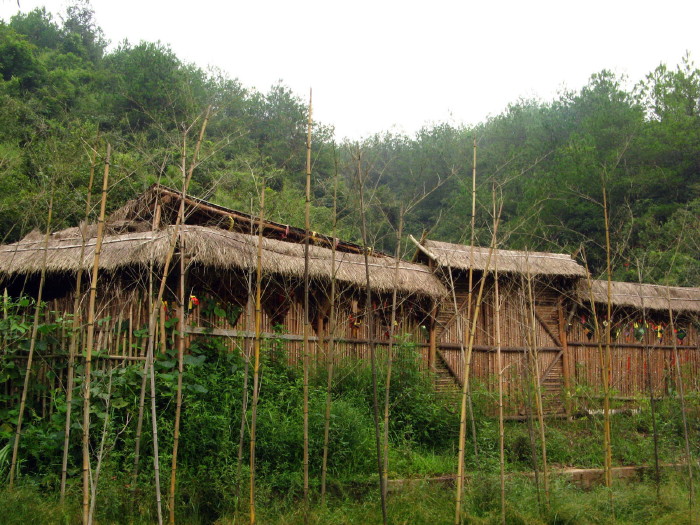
{"x": 463, "y": 257}
{"x": 641, "y": 296}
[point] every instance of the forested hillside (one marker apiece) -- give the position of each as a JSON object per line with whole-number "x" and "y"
{"x": 63, "y": 93}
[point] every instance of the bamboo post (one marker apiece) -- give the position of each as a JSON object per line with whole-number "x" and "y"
{"x": 681, "y": 397}
{"x": 307, "y": 321}
{"x": 90, "y": 340}
{"x": 256, "y": 351}
{"x": 608, "y": 358}
{"x": 387, "y": 387}
{"x": 331, "y": 342}
{"x": 74, "y": 333}
{"x": 537, "y": 382}
{"x": 499, "y": 364}
{"x": 32, "y": 347}
{"x": 472, "y": 232}
{"x": 372, "y": 342}
{"x": 465, "y": 383}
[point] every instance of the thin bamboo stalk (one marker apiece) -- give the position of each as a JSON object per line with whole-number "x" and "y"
{"x": 465, "y": 383}
{"x": 472, "y": 231}
{"x": 181, "y": 328}
{"x": 89, "y": 343}
{"x": 537, "y": 385}
{"x": 390, "y": 350}
{"x": 74, "y": 332}
{"x": 307, "y": 317}
{"x": 499, "y": 364}
{"x": 684, "y": 412}
{"x": 256, "y": 351}
{"x": 32, "y": 347}
{"x": 608, "y": 358}
{"x": 101, "y": 453}
{"x": 370, "y": 335}
{"x": 331, "y": 342}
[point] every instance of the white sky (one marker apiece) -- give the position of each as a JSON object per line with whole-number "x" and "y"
{"x": 396, "y": 65}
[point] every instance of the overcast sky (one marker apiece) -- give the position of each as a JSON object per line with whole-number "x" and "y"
{"x": 396, "y": 65}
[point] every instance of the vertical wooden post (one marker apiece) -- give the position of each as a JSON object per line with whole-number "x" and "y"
{"x": 432, "y": 341}
{"x": 566, "y": 358}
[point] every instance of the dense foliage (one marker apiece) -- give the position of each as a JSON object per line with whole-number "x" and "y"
{"x": 60, "y": 89}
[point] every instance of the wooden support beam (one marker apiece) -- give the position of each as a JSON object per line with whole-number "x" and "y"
{"x": 566, "y": 359}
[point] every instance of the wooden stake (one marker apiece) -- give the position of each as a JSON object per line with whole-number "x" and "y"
{"x": 90, "y": 340}
{"x": 32, "y": 347}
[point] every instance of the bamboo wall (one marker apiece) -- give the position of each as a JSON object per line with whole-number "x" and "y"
{"x": 565, "y": 355}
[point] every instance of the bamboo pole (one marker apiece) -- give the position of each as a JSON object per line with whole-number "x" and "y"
{"x": 465, "y": 383}
{"x": 652, "y": 403}
{"x": 390, "y": 350}
{"x": 32, "y": 347}
{"x": 331, "y": 342}
{"x": 499, "y": 363}
{"x": 101, "y": 453}
{"x": 681, "y": 397}
{"x": 74, "y": 333}
{"x": 90, "y": 340}
{"x": 472, "y": 232}
{"x": 372, "y": 345}
{"x": 537, "y": 383}
{"x": 180, "y": 339}
{"x": 608, "y": 358}
{"x": 256, "y": 351}
{"x": 307, "y": 317}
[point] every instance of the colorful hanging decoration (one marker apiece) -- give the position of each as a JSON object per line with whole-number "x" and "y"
{"x": 639, "y": 330}
{"x": 193, "y": 302}
{"x": 658, "y": 329}
{"x": 680, "y": 334}
{"x": 588, "y": 327}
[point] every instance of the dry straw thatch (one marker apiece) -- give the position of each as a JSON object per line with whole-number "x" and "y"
{"x": 213, "y": 247}
{"x": 639, "y": 296}
{"x": 463, "y": 257}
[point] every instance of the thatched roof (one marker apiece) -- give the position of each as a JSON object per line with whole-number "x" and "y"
{"x": 639, "y": 296}
{"x": 463, "y": 257}
{"x": 204, "y": 213}
{"x": 212, "y": 247}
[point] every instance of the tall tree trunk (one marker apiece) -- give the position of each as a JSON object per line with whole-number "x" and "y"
{"x": 74, "y": 332}
{"x": 32, "y": 347}
{"x": 89, "y": 343}
{"x": 372, "y": 346}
